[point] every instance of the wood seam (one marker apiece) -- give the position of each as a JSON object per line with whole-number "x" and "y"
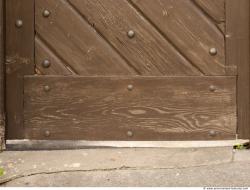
{"x": 138, "y": 10}
{"x": 104, "y": 38}
{"x": 209, "y": 17}
{"x": 52, "y": 50}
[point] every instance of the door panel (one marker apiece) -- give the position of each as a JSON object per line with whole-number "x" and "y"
{"x": 130, "y": 108}
{"x": 130, "y": 70}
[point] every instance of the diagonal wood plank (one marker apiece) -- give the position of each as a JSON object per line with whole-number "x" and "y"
{"x": 43, "y": 52}
{"x": 214, "y": 8}
{"x": 77, "y": 42}
{"x": 148, "y": 51}
{"x": 194, "y": 34}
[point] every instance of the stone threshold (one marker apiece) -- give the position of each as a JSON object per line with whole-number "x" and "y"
{"x": 61, "y": 145}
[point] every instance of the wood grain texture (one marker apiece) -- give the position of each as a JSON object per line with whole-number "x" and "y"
{"x": 78, "y": 44}
{"x": 194, "y": 34}
{"x": 102, "y": 108}
{"x": 43, "y": 52}
{"x": 19, "y": 60}
{"x": 214, "y": 8}
{"x": 238, "y": 48}
{"x": 2, "y": 78}
{"x": 149, "y": 52}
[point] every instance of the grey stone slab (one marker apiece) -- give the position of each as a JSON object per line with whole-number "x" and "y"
{"x": 242, "y": 156}
{"x": 222, "y": 175}
{"x": 23, "y": 163}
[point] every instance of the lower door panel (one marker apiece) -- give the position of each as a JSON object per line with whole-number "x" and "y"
{"x": 129, "y": 108}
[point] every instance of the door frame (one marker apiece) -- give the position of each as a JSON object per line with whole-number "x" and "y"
{"x": 237, "y": 54}
{"x": 2, "y": 78}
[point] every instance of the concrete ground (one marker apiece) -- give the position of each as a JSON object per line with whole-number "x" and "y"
{"x": 220, "y": 166}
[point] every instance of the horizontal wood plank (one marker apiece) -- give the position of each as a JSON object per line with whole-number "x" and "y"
{"x": 104, "y": 108}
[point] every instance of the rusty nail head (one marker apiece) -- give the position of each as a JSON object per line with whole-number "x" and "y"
{"x": 129, "y": 133}
{"x": 47, "y": 133}
{"x": 212, "y": 88}
{"x": 130, "y": 87}
{"x": 46, "y": 63}
{"x": 212, "y": 133}
{"x": 213, "y": 51}
{"x": 131, "y": 34}
{"x": 46, "y": 13}
{"x": 46, "y": 88}
{"x": 19, "y": 23}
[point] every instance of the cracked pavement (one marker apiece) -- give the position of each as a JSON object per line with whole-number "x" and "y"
{"x": 220, "y": 166}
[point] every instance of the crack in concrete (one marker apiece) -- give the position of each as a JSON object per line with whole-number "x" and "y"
{"x": 12, "y": 178}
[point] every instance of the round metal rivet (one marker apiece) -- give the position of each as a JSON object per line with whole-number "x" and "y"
{"x": 212, "y": 88}
{"x": 46, "y": 13}
{"x": 131, "y": 34}
{"x": 46, "y": 88}
{"x": 46, "y": 63}
{"x": 129, "y": 133}
{"x": 212, "y": 133}
{"x": 213, "y": 51}
{"x": 130, "y": 87}
{"x": 47, "y": 134}
{"x": 19, "y": 23}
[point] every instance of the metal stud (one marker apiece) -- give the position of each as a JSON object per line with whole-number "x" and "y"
{"x": 46, "y": 88}
{"x": 129, "y": 133}
{"x": 130, "y": 87}
{"x": 212, "y": 133}
{"x": 46, "y": 63}
{"x": 131, "y": 34}
{"x": 46, "y": 133}
{"x": 213, "y": 51}
{"x": 46, "y": 13}
{"x": 19, "y": 23}
{"x": 212, "y": 88}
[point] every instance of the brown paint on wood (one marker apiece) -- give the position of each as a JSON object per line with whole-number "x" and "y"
{"x": 77, "y": 43}
{"x": 152, "y": 108}
{"x": 194, "y": 35}
{"x": 19, "y": 60}
{"x": 149, "y": 52}
{"x": 238, "y": 41}
{"x": 2, "y": 78}
{"x": 57, "y": 65}
{"x": 214, "y": 8}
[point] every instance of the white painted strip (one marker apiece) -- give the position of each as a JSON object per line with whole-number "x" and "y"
{"x": 48, "y": 145}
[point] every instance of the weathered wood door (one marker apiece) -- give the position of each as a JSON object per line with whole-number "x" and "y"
{"x": 122, "y": 69}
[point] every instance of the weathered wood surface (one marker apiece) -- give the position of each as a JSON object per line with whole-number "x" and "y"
{"x": 238, "y": 54}
{"x": 89, "y": 38}
{"x": 57, "y": 65}
{"x": 102, "y": 108}
{"x": 77, "y": 43}
{"x": 103, "y": 25}
{"x": 2, "y": 78}
{"x": 193, "y": 35}
{"x": 19, "y": 60}
{"x": 214, "y": 9}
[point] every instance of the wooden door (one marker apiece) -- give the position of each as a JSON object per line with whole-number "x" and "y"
{"x": 121, "y": 70}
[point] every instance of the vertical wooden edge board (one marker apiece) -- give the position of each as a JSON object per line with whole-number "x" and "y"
{"x": 20, "y": 33}
{"x": 237, "y": 54}
{"x": 129, "y": 108}
{"x": 2, "y": 78}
